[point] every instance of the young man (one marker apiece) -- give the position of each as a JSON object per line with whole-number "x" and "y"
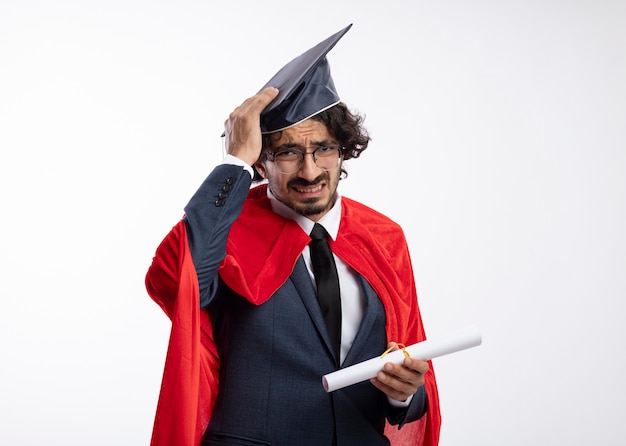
{"x": 254, "y": 323}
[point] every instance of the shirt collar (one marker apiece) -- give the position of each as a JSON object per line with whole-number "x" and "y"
{"x": 330, "y": 220}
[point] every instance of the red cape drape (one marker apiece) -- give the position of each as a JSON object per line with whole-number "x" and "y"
{"x": 261, "y": 252}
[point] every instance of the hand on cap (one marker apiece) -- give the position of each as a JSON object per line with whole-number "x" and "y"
{"x": 243, "y": 126}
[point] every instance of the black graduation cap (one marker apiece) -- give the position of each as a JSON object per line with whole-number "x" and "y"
{"x": 305, "y": 88}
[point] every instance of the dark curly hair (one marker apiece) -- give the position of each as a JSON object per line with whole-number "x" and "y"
{"x": 346, "y": 127}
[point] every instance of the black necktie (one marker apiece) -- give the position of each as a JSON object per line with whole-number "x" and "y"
{"x": 327, "y": 281}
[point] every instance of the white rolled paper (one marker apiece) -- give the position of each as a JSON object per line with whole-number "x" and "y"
{"x": 425, "y": 350}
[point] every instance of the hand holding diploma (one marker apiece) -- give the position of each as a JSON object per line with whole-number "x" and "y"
{"x": 420, "y": 352}
{"x": 400, "y": 381}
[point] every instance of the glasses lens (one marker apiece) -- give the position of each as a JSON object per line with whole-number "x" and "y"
{"x": 326, "y": 158}
{"x": 288, "y": 161}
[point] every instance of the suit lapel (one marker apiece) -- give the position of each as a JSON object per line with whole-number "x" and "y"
{"x": 373, "y": 311}
{"x": 303, "y": 284}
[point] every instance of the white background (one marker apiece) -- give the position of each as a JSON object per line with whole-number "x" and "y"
{"x": 499, "y": 143}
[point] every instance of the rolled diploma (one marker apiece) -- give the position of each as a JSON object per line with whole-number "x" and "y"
{"x": 425, "y": 350}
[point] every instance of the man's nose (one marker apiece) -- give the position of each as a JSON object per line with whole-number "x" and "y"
{"x": 309, "y": 169}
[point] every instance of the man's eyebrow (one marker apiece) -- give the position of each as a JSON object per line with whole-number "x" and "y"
{"x": 291, "y": 145}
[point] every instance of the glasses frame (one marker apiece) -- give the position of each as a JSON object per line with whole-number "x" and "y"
{"x": 271, "y": 156}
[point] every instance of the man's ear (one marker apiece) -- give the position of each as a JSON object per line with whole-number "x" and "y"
{"x": 260, "y": 168}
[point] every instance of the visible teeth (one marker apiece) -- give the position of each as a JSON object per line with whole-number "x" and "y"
{"x": 309, "y": 190}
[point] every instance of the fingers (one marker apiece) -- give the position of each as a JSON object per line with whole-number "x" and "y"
{"x": 399, "y": 381}
{"x": 252, "y": 107}
{"x": 267, "y": 95}
{"x": 242, "y": 128}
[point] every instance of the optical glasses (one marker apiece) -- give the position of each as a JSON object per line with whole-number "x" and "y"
{"x": 290, "y": 160}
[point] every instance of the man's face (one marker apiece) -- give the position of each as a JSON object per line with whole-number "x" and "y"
{"x": 311, "y": 191}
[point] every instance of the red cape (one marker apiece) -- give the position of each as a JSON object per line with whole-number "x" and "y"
{"x": 262, "y": 250}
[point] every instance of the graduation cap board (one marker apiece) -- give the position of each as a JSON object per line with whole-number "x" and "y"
{"x": 305, "y": 87}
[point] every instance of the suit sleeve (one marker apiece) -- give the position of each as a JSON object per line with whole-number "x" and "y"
{"x": 414, "y": 411}
{"x": 209, "y": 216}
